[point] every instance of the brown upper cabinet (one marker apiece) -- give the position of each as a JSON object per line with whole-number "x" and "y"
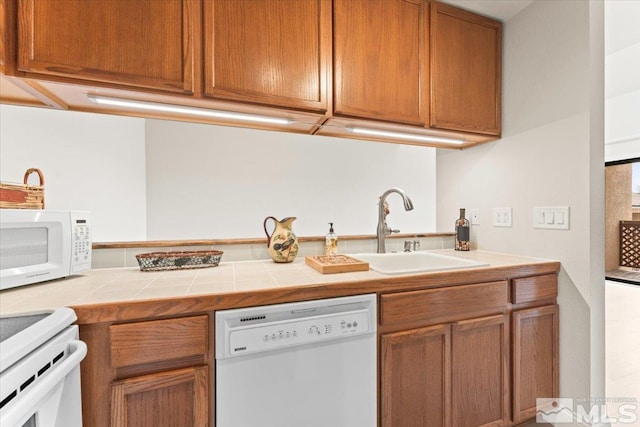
{"x": 419, "y": 63}
{"x": 4, "y": 34}
{"x": 466, "y": 71}
{"x": 274, "y": 52}
{"x": 141, "y": 44}
{"x": 381, "y": 59}
{"x": 415, "y": 66}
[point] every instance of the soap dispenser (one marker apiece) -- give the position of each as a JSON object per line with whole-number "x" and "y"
{"x": 331, "y": 242}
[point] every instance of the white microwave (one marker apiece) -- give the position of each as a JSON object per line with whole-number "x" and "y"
{"x": 41, "y": 245}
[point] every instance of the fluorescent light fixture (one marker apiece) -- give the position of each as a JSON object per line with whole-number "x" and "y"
{"x": 192, "y": 111}
{"x": 402, "y": 135}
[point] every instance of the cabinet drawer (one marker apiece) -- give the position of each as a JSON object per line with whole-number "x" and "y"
{"x": 158, "y": 340}
{"x": 529, "y": 289}
{"x": 444, "y": 304}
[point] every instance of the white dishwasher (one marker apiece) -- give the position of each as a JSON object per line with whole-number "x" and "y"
{"x": 310, "y": 364}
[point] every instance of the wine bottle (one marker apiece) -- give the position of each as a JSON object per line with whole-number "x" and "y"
{"x": 462, "y": 233}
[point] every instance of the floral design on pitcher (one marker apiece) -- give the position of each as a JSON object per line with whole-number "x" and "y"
{"x": 282, "y": 243}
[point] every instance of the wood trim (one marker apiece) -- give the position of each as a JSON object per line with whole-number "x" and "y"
{"x": 527, "y": 289}
{"x": 462, "y": 358}
{"x": 31, "y": 67}
{"x": 8, "y": 36}
{"x": 337, "y": 126}
{"x": 347, "y": 70}
{"x": 435, "y": 122}
{"x": 158, "y": 340}
{"x": 96, "y": 374}
{"x": 466, "y": 325}
{"x": 251, "y": 240}
{"x": 213, "y": 89}
{"x": 164, "y": 365}
{"x": 442, "y": 305}
{"x": 164, "y": 307}
{"x": 520, "y": 412}
{"x": 415, "y": 393}
{"x": 34, "y": 89}
{"x": 425, "y": 66}
{"x": 198, "y": 377}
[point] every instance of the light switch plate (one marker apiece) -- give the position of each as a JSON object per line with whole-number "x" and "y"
{"x": 551, "y": 217}
{"x": 502, "y": 217}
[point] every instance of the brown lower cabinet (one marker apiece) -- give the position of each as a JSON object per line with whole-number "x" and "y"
{"x": 480, "y": 372}
{"x": 454, "y": 374}
{"x": 471, "y": 355}
{"x": 415, "y": 377}
{"x": 175, "y": 398}
{"x": 535, "y": 358}
{"x": 475, "y": 354}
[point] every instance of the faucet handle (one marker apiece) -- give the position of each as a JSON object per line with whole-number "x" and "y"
{"x": 391, "y": 230}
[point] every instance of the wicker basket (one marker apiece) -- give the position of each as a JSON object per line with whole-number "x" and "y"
{"x": 157, "y": 261}
{"x": 23, "y": 196}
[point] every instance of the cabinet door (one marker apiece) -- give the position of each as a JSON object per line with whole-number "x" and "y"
{"x": 466, "y": 78}
{"x": 479, "y": 383}
{"x": 414, "y": 378}
{"x": 272, "y": 52}
{"x": 142, "y": 43}
{"x": 535, "y": 359}
{"x": 175, "y": 398}
{"x": 381, "y": 59}
{"x": 6, "y": 32}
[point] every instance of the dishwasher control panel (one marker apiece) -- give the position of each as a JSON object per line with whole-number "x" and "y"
{"x": 245, "y": 331}
{"x": 300, "y": 332}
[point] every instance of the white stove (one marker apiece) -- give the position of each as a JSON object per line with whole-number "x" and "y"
{"x": 40, "y": 356}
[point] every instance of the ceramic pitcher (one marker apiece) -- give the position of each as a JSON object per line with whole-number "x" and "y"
{"x": 282, "y": 243}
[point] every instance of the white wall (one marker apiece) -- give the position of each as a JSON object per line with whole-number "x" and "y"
{"x": 551, "y": 154}
{"x": 201, "y": 181}
{"x": 206, "y": 181}
{"x": 622, "y": 80}
{"x": 90, "y": 162}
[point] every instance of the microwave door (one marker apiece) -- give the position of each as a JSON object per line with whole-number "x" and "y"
{"x": 33, "y": 252}
{"x": 22, "y": 247}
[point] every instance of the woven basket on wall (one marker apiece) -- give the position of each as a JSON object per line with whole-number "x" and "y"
{"x": 23, "y": 196}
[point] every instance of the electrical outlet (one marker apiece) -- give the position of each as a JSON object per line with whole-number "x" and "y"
{"x": 502, "y": 217}
{"x": 475, "y": 216}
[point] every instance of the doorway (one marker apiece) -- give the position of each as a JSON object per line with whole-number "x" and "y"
{"x": 622, "y": 217}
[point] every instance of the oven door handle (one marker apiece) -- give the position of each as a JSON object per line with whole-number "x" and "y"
{"x": 25, "y": 404}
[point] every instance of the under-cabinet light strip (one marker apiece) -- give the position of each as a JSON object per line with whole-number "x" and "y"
{"x": 402, "y": 135}
{"x": 193, "y": 111}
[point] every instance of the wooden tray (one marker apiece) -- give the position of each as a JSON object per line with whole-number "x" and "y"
{"x": 329, "y": 264}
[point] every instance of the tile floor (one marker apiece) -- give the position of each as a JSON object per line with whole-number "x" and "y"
{"x": 622, "y": 328}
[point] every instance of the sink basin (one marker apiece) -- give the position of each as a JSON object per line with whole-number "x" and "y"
{"x": 415, "y": 262}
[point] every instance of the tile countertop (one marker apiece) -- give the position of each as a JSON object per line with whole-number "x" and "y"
{"x": 126, "y": 285}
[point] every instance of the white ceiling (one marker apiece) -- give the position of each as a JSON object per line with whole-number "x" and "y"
{"x": 622, "y": 28}
{"x": 499, "y": 9}
{"x": 622, "y": 47}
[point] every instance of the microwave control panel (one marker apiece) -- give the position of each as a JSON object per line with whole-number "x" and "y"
{"x": 81, "y": 241}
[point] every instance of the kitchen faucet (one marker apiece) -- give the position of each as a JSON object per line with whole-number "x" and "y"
{"x": 383, "y": 211}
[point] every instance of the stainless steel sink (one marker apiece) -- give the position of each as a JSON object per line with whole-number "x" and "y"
{"x": 415, "y": 262}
